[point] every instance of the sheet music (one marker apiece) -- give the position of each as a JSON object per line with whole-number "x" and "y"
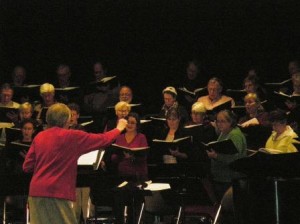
{"x": 91, "y": 158}
{"x": 158, "y": 187}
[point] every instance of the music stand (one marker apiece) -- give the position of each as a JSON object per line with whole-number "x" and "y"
{"x": 134, "y": 191}
{"x": 271, "y": 172}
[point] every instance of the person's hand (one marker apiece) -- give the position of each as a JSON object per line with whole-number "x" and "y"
{"x": 178, "y": 154}
{"x": 103, "y": 165}
{"x": 290, "y": 105}
{"x": 122, "y": 124}
{"x": 175, "y": 153}
{"x": 127, "y": 155}
{"x": 212, "y": 154}
{"x": 214, "y": 124}
{"x": 12, "y": 116}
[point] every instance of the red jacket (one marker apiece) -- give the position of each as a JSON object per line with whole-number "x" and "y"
{"x": 53, "y": 157}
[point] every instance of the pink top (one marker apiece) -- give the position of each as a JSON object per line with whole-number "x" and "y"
{"x": 126, "y": 166}
{"x": 53, "y": 157}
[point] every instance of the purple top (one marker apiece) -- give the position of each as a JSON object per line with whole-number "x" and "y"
{"x": 135, "y": 166}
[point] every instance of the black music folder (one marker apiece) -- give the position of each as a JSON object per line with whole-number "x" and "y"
{"x": 19, "y": 147}
{"x": 134, "y": 107}
{"x": 278, "y": 84}
{"x": 237, "y": 94}
{"x": 43, "y": 114}
{"x": 193, "y": 129}
{"x": 66, "y": 90}
{"x": 87, "y": 123}
{"x": 106, "y": 80}
{"x": 256, "y": 135}
{"x": 5, "y": 111}
{"x": 173, "y": 145}
{"x": 157, "y": 118}
{"x": 68, "y": 94}
{"x": 132, "y": 150}
{"x": 84, "y": 118}
{"x": 193, "y": 93}
{"x": 32, "y": 92}
{"x": 112, "y": 81}
{"x": 284, "y": 97}
{"x": 239, "y": 110}
{"x": 224, "y": 147}
{"x": 217, "y": 109}
{"x": 12, "y": 134}
{"x": 157, "y": 121}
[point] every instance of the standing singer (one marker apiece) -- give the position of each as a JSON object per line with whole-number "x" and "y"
{"x": 52, "y": 158}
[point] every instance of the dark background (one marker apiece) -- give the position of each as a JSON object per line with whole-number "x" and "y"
{"x": 147, "y": 43}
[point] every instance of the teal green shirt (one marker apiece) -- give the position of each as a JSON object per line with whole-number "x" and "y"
{"x": 220, "y": 166}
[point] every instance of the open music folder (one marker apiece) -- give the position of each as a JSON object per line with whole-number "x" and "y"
{"x": 31, "y": 91}
{"x": 173, "y": 145}
{"x": 132, "y": 150}
{"x": 92, "y": 158}
{"x": 217, "y": 109}
{"x": 224, "y": 147}
{"x": 193, "y": 93}
{"x": 237, "y": 94}
{"x": 284, "y": 97}
{"x": 5, "y": 111}
{"x": 12, "y": 134}
{"x": 17, "y": 149}
{"x": 68, "y": 94}
{"x": 43, "y": 114}
{"x": 284, "y": 82}
{"x": 194, "y": 129}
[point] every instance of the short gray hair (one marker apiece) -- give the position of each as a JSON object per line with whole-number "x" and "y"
{"x": 58, "y": 115}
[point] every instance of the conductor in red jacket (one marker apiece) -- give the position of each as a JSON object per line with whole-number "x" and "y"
{"x": 52, "y": 158}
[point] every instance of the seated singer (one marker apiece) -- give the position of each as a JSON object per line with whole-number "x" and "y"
{"x": 254, "y": 109}
{"x": 282, "y": 137}
{"x": 52, "y": 158}
{"x": 130, "y": 166}
{"x": 215, "y": 96}
{"x": 222, "y": 174}
{"x": 122, "y": 109}
{"x": 170, "y": 102}
{"x": 204, "y": 134}
{"x": 174, "y": 131}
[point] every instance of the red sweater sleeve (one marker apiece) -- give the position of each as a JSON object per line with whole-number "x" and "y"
{"x": 29, "y": 162}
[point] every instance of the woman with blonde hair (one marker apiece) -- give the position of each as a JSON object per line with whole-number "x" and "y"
{"x": 122, "y": 109}
{"x": 47, "y": 92}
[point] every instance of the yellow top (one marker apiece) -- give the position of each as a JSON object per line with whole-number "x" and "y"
{"x": 284, "y": 142}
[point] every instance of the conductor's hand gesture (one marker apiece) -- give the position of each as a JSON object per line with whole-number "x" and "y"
{"x": 122, "y": 124}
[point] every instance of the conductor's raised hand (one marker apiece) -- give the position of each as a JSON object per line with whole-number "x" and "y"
{"x": 122, "y": 123}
